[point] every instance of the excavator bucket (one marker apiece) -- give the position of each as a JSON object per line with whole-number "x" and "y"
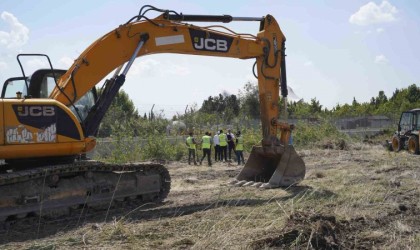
{"x": 280, "y": 166}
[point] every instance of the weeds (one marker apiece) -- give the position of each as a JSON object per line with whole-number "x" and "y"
{"x": 322, "y": 135}
{"x": 124, "y": 147}
{"x": 158, "y": 147}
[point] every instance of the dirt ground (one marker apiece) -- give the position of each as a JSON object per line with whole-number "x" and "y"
{"x": 362, "y": 197}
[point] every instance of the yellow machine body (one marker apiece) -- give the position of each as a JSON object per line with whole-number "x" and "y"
{"x": 38, "y": 128}
{"x": 47, "y": 127}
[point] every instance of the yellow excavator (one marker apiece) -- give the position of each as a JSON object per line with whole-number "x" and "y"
{"x": 48, "y": 121}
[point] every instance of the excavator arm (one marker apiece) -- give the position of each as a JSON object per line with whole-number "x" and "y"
{"x": 166, "y": 34}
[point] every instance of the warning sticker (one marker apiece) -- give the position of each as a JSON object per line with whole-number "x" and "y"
{"x": 165, "y": 40}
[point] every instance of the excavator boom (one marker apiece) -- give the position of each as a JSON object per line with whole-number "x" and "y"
{"x": 163, "y": 36}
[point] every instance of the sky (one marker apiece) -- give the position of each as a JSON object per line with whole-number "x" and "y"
{"x": 336, "y": 50}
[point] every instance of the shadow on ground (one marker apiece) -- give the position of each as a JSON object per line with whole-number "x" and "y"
{"x": 36, "y": 228}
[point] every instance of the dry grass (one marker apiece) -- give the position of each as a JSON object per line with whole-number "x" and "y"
{"x": 361, "y": 197}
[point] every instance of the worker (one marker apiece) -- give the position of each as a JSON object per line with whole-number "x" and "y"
{"x": 231, "y": 143}
{"x": 216, "y": 147}
{"x": 190, "y": 142}
{"x": 239, "y": 148}
{"x": 223, "y": 146}
{"x": 206, "y": 146}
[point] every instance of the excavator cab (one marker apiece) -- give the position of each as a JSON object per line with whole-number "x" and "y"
{"x": 40, "y": 85}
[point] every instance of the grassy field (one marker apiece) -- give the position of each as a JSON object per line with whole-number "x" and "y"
{"x": 362, "y": 197}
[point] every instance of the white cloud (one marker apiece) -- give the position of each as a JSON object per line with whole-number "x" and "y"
{"x": 178, "y": 70}
{"x": 145, "y": 67}
{"x": 372, "y": 13}
{"x": 151, "y": 67}
{"x": 18, "y": 34}
{"x": 32, "y": 65}
{"x": 381, "y": 59}
{"x": 380, "y": 30}
{"x": 65, "y": 62}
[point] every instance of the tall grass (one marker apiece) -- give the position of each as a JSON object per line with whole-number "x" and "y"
{"x": 124, "y": 147}
{"x": 160, "y": 148}
{"x": 323, "y": 134}
{"x": 127, "y": 148}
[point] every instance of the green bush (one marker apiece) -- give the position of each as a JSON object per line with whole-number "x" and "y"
{"x": 123, "y": 146}
{"x": 157, "y": 147}
{"x": 323, "y": 134}
{"x": 251, "y": 137}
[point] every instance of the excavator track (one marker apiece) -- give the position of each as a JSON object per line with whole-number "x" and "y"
{"x": 52, "y": 191}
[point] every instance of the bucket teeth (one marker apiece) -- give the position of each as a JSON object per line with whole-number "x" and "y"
{"x": 267, "y": 186}
{"x": 240, "y": 183}
{"x": 257, "y": 184}
{"x": 244, "y": 183}
{"x": 249, "y": 183}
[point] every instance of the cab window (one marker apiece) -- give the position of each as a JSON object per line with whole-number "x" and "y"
{"x": 12, "y": 86}
{"x": 406, "y": 122}
{"x": 47, "y": 86}
{"x": 83, "y": 105}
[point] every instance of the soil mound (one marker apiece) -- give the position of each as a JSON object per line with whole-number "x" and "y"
{"x": 303, "y": 230}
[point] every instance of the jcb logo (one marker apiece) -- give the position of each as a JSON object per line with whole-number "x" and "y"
{"x": 36, "y": 111}
{"x": 209, "y": 41}
{"x": 210, "y": 44}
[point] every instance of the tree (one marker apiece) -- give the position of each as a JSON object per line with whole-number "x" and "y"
{"x": 315, "y": 106}
{"x": 121, "y": 113}
{"x": 249, "y": 101}
{"x": 226, "y": 106}
{"x": 413, "y": 94}
{"x": 299, "y": 109}
{"x": 381, "y": 98}
{"x": 355, "y": 103}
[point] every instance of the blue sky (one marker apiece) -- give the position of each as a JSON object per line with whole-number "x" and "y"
{"x": 336, "y": 50}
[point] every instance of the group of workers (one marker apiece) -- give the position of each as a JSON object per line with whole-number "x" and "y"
{"x": 223, "y": 145}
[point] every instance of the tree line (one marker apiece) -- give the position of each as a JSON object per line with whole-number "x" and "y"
{"x": 401, "y": 100}
{"x": 226, "y": 108}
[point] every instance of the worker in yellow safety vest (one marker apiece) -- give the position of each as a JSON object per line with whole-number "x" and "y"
{"x": 190, "y": 142}
{"x": 223, "y": 146}
{"x": 239, "y": 148}
{"x": 206, "y": 146}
